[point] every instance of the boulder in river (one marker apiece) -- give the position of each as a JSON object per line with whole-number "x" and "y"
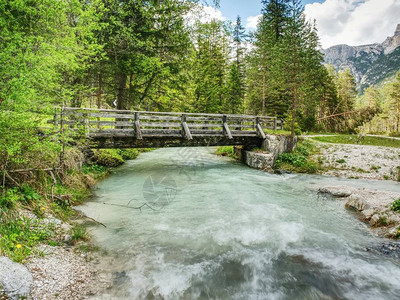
{"x": 15, "y": 279}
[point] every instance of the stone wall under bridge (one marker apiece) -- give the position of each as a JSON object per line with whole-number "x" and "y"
{"x": 271, "y": 148}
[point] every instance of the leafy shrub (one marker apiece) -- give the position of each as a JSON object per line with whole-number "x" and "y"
{"x": 108, "y": 158}
{"x": 128, "y": 154}
{"x": 226, "y": 151}
{"x": 394, "y": 134}
{"x": 29, "y": 194}
{"x": 20, "y": 235}
{"x": 288, "y": 126}
{"x": 396, "y": 205}
{"x": 79, "y": 233}
{"x": 9, "y": 198}
{"x": 90, "y": 169}
{"x": 298, "y": 160}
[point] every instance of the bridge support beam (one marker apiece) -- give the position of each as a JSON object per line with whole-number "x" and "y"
{"x": 227, "y": 131}
{"x": 260, "y": 131}
{"x": 185, "y": 129}
{"x": 138, "y": 133}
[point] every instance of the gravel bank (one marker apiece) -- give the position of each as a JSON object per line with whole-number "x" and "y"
{"x": 357, "y": 161}
{"x": 63, "y": 273}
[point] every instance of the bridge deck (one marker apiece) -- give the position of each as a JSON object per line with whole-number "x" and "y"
{"x": 127, "y": 129}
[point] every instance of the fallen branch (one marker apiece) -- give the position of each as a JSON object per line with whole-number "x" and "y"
{"x": 11, "y": 179}
{"x": 338, "y": 115}
{"x": 131, "y": 207}
{"x": 85, "y": 216}
{"x": 33, "y": 169}
{"x": 52, "y": 186}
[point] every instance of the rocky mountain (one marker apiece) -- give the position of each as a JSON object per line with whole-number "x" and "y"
{"x": 370, "y": 64}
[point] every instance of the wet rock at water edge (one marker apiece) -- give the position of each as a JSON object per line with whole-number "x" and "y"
{"x": 357, "y": 203}
{"x": 391, "y": 249}
{"x": 335, "y": 191}
{"x": 15, "y": 279}
{"x": 281, "y": 172}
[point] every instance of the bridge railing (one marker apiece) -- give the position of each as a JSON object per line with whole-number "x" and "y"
{"x": 139, "y": 124}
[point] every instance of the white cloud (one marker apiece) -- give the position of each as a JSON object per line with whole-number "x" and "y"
{"x": 204, "y": 14}
{"x": 354, "y": 22}
{"x": 252, "y": 22}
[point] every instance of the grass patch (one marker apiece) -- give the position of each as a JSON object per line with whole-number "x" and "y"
{"x": 19, "y": 235}
{"x": 299, "y": 160}
{"x": 396, "y": 206}
{"x": 278, "y": 132}
{"x": 79, "y": 233}
{"x": 355, "y": 140}
{"x": 228, "y": 151}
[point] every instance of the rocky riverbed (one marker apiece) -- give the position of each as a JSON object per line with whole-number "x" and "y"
{"x": 359, "y": 161}
{"x": 59, "y": 272}
{"x": 372, "y": 206}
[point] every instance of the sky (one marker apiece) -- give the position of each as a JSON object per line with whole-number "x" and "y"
{"x": 352, "y": 22}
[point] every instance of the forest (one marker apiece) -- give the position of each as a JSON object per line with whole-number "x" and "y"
{"x": 164, "y": 55}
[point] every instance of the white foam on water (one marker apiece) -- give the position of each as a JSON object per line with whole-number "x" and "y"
{"x": 228, "y": 232}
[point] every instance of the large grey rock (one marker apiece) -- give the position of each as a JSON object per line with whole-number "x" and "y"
{"x": 336, "y": 191}
{"x": 356, "y": 202}
{"x": 261, "y": 161}
{"x": 367, "y": 214}
{"x": 15, "y": 279}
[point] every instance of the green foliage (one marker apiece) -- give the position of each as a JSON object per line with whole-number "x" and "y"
{"x": 129, "y": 154}
{"x": 20, "y": 235}
{"x": 288, "y": 125}
{"x": 226, "y": 151}
{"x": 354, "y": 139}
{"x": 9, "y": 198}
{"x": 396, "y": 205}
{"x": 299, "y": 160}
{"x": 93, "y": 169}
{"x": 108, "y": 158}
{"x": 79, "y": 233}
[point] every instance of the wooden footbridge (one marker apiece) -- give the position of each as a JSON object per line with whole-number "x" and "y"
{"x": 105, "y": 128}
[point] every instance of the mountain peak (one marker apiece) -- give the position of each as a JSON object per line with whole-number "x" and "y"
{"x": 369, "y": 64}
{"x": 391, "y": 43}
{"x": 397, "y": 32}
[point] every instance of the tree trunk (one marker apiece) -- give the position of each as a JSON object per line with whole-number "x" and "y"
{"x": 121, "y": 81}
{"x": 263, "y": 94}
{"x": 99, "y": 90}
{"x": 397, "y": 113}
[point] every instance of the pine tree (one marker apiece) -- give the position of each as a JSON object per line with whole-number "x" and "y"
{"x": 210, "y": 67}
{"x": 235, "y": 84}
{"x": 395, "y": 100}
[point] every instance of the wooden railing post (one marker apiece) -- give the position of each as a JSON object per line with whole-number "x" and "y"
{"x": 87, "y": 128}
{"x": 138, "y": 133}
{"x": 227, "y": 131}
{"x": 240, "y": 125}
{"x": 260, "y": 131}
{"x": 185, "y": 129}
{"x": 275, "y": 123}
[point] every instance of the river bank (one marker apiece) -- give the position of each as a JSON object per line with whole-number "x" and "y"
{"x": 47, "y": 240}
